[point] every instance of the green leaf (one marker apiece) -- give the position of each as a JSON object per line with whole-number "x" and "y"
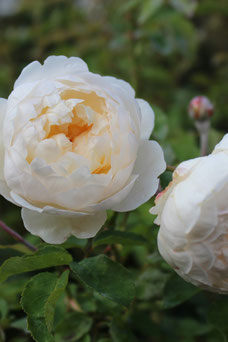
{"x": 17, "y": 247}
{"x": 12, "y": 290}
{"x": 150, "y": 284}
{"x": 20, "y": 324}
{"x": 73, "y": 327}
{"x": 107, "y": 277}
{"x": 39, "y": 292}
{"x": 3, "y": 308}
{"x": 185, "y": 6}
{"x": 128, "y": 6}
{"x": 116, "y": 236}
{"x": 120, "y": 332}
{"x": 85, "y": 339}
{"x": 38, "y": 330}
{"x": 217, "y": 314}
{"x": 60, "y": 286}
{"x": 105, "y": 305}
{"x": 47, "y": 256}
{"x": 38, "y": 301}
{"x": 191, "y": 327}
{"x": 149, "y": 8}
{"x": 177, "y": 291}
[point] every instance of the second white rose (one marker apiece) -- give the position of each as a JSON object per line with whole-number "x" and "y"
{"x": 193, "y": 217}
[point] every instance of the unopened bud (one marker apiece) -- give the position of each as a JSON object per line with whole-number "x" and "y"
{"x": 200, "y": 108}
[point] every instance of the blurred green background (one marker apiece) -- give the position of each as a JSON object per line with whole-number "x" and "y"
{"x": 169, "y": 51}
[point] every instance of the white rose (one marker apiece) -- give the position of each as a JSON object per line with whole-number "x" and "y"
{"x": 73, "y": 144}
{"x": 193, "y": 218}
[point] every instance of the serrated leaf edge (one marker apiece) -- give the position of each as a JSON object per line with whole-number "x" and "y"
{"x": 36, "y": 254}
{"x": 64, "y": 274}
{"x": 44, "y": 309}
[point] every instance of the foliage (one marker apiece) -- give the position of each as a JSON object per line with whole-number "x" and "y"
{"x": 117, "y": 288}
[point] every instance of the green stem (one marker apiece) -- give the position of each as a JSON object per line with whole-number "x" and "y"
{"x": 125, "y": 219}
{"x": 88, "y": 247}
{"x": 113, "y": 221}
{"x": 203, "y": 128}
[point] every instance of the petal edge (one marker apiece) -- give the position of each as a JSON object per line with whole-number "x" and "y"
{"x": 56, "y": 229}
{"x": 149, "y": 165}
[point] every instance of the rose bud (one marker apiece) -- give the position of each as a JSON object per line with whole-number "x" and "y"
{"x": 200, "y": 108}
{"x": 72, "y": 145}
{"x": 193, "y": 217}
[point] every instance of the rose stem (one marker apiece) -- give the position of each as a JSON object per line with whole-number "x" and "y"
{"x": 125, "y": 219}
{"x": 17, "y": 236}
{"x": 113, "y": 221}
{"x": 88, "y": 247}
{"x": 203, "y": 130}
{"x": 203, "y": 144}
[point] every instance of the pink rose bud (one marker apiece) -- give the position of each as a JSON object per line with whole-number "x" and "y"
{"x": 200, "y": 108}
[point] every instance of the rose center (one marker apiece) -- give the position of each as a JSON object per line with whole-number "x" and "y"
{"x": 82, "y": 121}
{"x": 79, "y": 123}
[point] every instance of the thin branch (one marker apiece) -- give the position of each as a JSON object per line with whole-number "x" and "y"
{"x": 112, "y": 222}
{"x": 88, "y": 247}
{"x": 125, "y": 219}
{"x": 17, "y": 236}
{"x": 203, "y": 144}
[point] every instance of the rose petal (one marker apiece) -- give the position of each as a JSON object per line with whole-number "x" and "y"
{"x": 39, "y": 208}
{"x": 120, "y": 84}
{"x": 149, "y": 165}
{"x": 54, "y": 67}
{"x": 117, "y": 90}
{"x": 147, "y": 123}
{"x": 5, "y": 191}
{"x": 114, "y": 199}
{"x": 213, "y": 167}
{"x": 56, "y": 229}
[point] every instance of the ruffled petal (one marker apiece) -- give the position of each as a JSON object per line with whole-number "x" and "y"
{"x": 180, "y": 173}
{"x": 47, "y": 209}
{"x": 5, "y": 191}
{"x": 54, "y": 67}
{"x": 114, "y": 199}
{"x": 56, "y": 229}
{"x": 147, "y": 118}
{"x": 149, "y": 165}
{"x": 214, "y": 168}
{"x": 120, "y": 84}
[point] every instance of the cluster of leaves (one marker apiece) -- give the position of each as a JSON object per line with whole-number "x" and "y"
{"x": 116, "y": 287}
{"x": 113, "y": 288}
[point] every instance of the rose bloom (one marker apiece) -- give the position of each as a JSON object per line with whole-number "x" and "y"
{"x": 200, "y": 108}
{"x": 72, "y": 145}
{"x": 193, "y": 217}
